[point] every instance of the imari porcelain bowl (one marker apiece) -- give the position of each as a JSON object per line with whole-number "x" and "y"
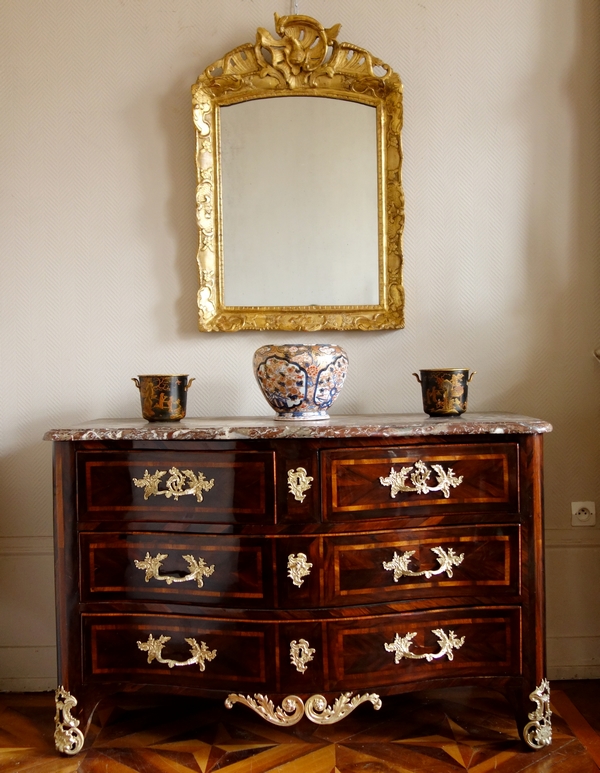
{"x": 300, "y": 382}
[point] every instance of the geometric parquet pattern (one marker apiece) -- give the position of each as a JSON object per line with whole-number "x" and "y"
{"x": 443, "y": 731}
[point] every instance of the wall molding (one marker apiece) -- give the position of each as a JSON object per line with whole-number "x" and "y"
{"x": 582, "y": 537}
{"x": 27, "y": 669}
{"x": 573, "y": 657}
{"x": 573, "y": 672}
{"x": 26, "y": 546}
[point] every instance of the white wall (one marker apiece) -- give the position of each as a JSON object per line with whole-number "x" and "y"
{"x": 98, "y": 243}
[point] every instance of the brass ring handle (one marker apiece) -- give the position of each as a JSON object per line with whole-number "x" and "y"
{"x": 419, "y": 475}
{"x": 200, "y": 652}
{"x": 198, "y": 569}
{"x": 447, "y": 641}
{"x": 181, "y": 483}
{"x": 445, "y": 558}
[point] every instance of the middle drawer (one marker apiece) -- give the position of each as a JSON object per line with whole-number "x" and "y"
{"x": 300, "y": 572}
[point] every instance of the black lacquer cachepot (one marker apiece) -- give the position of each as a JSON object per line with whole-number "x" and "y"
{"x": 163, "y": 397}
{"x": 444, "y": 390}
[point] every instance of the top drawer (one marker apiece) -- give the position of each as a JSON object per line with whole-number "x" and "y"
{"x": 419, "y": 480}
{"x": 174, "y": 486}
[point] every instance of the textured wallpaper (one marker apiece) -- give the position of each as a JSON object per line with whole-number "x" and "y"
{"x": 98, "y": 240}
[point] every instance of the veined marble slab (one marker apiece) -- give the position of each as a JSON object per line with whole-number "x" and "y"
{"x": 241, "y": 427}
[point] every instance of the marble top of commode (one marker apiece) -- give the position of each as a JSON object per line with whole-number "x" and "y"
{"x": 244, "y": 427}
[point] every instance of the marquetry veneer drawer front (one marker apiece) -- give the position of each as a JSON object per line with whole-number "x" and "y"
{"x": 394, "y": 481}
{"x": 224, "y": 654}
{"x": 436, "y": 562}
{"x": 395, "y": 649}
{"x": 201, "y": 569}
{"x": 355, "y": 652}
{"x": 172, "y": 486}
{"x": 302, "y": 572}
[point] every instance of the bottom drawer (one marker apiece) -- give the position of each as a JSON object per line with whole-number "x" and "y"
{"x": 411, "y": 647}
{"x": 358, "y": 652}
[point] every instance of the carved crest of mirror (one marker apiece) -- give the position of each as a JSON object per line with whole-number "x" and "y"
{"x": 299, "y": 196}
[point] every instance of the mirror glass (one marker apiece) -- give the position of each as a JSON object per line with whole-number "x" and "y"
{"x": 299, "y": 198}
{"x": 299, "y": 202}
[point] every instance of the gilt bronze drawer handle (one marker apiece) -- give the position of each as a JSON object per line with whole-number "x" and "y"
{"x": 446, "y": 560}
{"x": 447, "y": 641}
{"x": 292, "y": 708}
{"x": 198, "y": 569}
{"x": 181, "y": 483}
{"x": 200, "y": 652}
{"x": 301, "y": 653}
{"x": 420, "y": 476}
{"x": 298, "y": 568}
{"x": 298, "y": 483}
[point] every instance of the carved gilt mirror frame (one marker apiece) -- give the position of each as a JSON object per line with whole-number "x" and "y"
{"x": 307, "y": 60}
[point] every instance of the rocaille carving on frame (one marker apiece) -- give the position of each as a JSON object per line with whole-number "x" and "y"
{"x": 306, "y": 60}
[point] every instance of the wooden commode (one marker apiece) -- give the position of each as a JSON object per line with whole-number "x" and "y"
{"x": 300, "y": 569}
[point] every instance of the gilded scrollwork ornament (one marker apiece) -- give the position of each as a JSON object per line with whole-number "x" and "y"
{"x": 198, "y": 569}
{"x": 445, "y": 558}
{"x": 298, "y": 568}
{"x": 207, "y": 239}
{"x": 419, "y": 477}
{"x": 181, "y": 483}
{"x": 538, "y": 732}
{"x": 200, "y": 653}
{"x": 401, "y": 646}
{"x": 68, "y": 738}
{"x": 201, "y": 114}
{"x": 299, "y": 482}
{"x": 301, "y": 653}
{"x": 289, "y": 713}
{"x": 305, "y": 59}
{"x": 318, "y": 710}
{"x": 293, "y": 708}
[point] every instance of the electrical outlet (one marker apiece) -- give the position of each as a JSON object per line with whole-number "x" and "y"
{"x": 583, "y": 513}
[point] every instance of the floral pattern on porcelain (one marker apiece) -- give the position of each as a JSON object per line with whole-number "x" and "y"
{"x": 300, "y": 381}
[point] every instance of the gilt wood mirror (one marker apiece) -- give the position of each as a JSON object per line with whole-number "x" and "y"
{"x": 299, "y": 198}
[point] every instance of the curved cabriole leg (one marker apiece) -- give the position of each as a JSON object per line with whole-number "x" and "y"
{"x": 538, "y": 732}
{"x": 68, "y": 739}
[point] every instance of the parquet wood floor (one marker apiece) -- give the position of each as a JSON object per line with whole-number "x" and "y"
{"x": 444, "y": 731}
